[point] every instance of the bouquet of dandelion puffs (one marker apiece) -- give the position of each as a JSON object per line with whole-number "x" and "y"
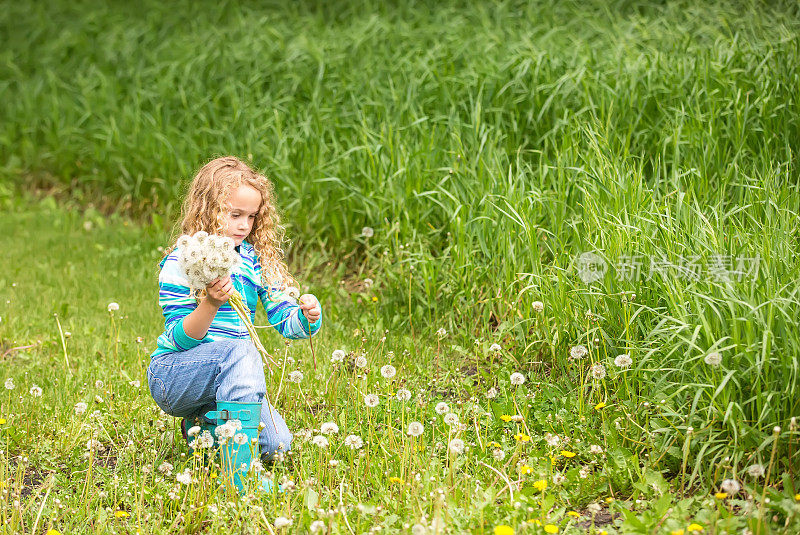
{"x": 204, "y": 258}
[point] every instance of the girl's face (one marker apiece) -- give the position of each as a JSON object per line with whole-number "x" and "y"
{"x": 243, "y": 203}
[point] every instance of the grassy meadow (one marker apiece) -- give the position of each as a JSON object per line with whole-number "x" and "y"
{"x": 599, "y": 196}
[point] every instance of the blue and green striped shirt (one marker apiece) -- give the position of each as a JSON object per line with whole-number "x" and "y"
{"x": 176, "y": 302}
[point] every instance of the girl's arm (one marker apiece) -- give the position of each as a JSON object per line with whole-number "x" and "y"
{"x": 286, "y": 315}
{"x": 197, "y": 323}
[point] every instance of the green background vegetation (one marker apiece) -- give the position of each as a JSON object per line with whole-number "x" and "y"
{"x": 488, "y": 146}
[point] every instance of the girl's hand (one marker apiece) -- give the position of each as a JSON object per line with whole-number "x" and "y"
{"x": 219, "y": 291}
{"x": 310, "y": 307}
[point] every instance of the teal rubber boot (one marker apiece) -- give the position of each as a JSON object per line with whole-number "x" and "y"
{"x": 237, "y": 432}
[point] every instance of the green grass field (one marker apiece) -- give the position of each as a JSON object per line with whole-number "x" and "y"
{"x": 496, "y": 150}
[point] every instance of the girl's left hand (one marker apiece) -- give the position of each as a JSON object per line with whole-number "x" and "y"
{"x": 309, "y": 304}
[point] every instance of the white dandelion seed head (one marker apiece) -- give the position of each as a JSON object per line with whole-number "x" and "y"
{"x": 361, "y": 361}
{"x": 578, "y": 352}
{"x": 388, "y": 371}
{"x": 441, "y": 333}
{"x": 240, "y": 438}
{"x": 415, "y": 429}
{"x": 491, "y": 393}
{"x": 597, "y": 371}
{"x": 317, "y": 526}
{"x": 404, "y": 394}
{"x": 320, "y": 441}
{"x": 80, "y": 407}
{"x": 165, "y": 468}
{"x": 296, "y": 376}
{"x": 713, "y": 359}
{"x": 193, "y": 431}
{"x": 9, "y": 384}
{"x": 442, "y": 408}
{"x": 337, "y": 356}
{"x": 756, "y": 470}
{"x": 368, "y": 232}
{"x": 551, "y": 439}
{"x": 282, "y": 522}
{"x": 517, "y": 378}
{"x": 35, "y": 391}
{"x": 537, "y": 306}
{"x": 293, "y": 292}
{"x": 329, "y": 428}
{"x": 456, "y": 446}
{"x": 205, "y": 440}
{"x": 498, "y": 454}
{"x": 371, "y": 400}
{"x": 354, "y": 442}
{"x": 256, "y": 466}
{"x": 730, "y": 486}
{"x": 419, "y": 529}
{"x": 451, "y": 419}
{"x": 595, "y": 449}
{"x": 494, "y": 348}
{"x": 558, "y": 478}
{"x": 225, "y": 430}
{"x": 113, "y": 307}
{"x": 623, "y": 361}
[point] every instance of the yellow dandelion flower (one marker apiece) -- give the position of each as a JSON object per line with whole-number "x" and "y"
{"x": 567, "y": 454}
{"x": 2, "y": 421}
{"x": 797, "y": 497}
{"x": 522, "y": 437}
{"x": 550, "y": 528}
{"x": 694, "y": 527}
{"x": 600, "y": 405}
{"x": 609, "y": 500}
{"x": 213, "y": 475}
{"x": 552, "y": 459}
{"x": 397, "y": 480}
{"x": 540, "y": 485}
{"x": 503, "y": 530}
{"x": 575, "y": 514}
{"x": 525, "y": 470}
{"x": 53, "y": 532}
{"x": 494, "y": 444}
{"x": 121, "y": 514}
{"x": 534, "y": 521}
{"x": 374, "y": 299}
{"x": 506, "y": 417}
{"x": 602, "y": 532}
{"x": 676, "y": 532}
{"x": 721, "y": 495}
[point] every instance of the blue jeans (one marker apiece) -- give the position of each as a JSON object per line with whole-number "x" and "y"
{"x": 189, "y": 383}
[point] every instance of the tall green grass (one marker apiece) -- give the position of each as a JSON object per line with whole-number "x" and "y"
{"x": 488, "y": 146}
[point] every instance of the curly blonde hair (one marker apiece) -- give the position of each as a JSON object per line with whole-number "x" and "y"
{"x": 205, "y": 207}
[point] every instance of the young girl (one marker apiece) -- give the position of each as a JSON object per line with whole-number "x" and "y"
{"x": 205, "y": 357}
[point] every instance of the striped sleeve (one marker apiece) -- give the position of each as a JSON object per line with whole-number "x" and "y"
{"x": 284, "y": 314}
{"x": 176, "y": 301}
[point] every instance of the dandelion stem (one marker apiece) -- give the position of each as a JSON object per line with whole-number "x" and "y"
{"x": 63, "y": 344}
